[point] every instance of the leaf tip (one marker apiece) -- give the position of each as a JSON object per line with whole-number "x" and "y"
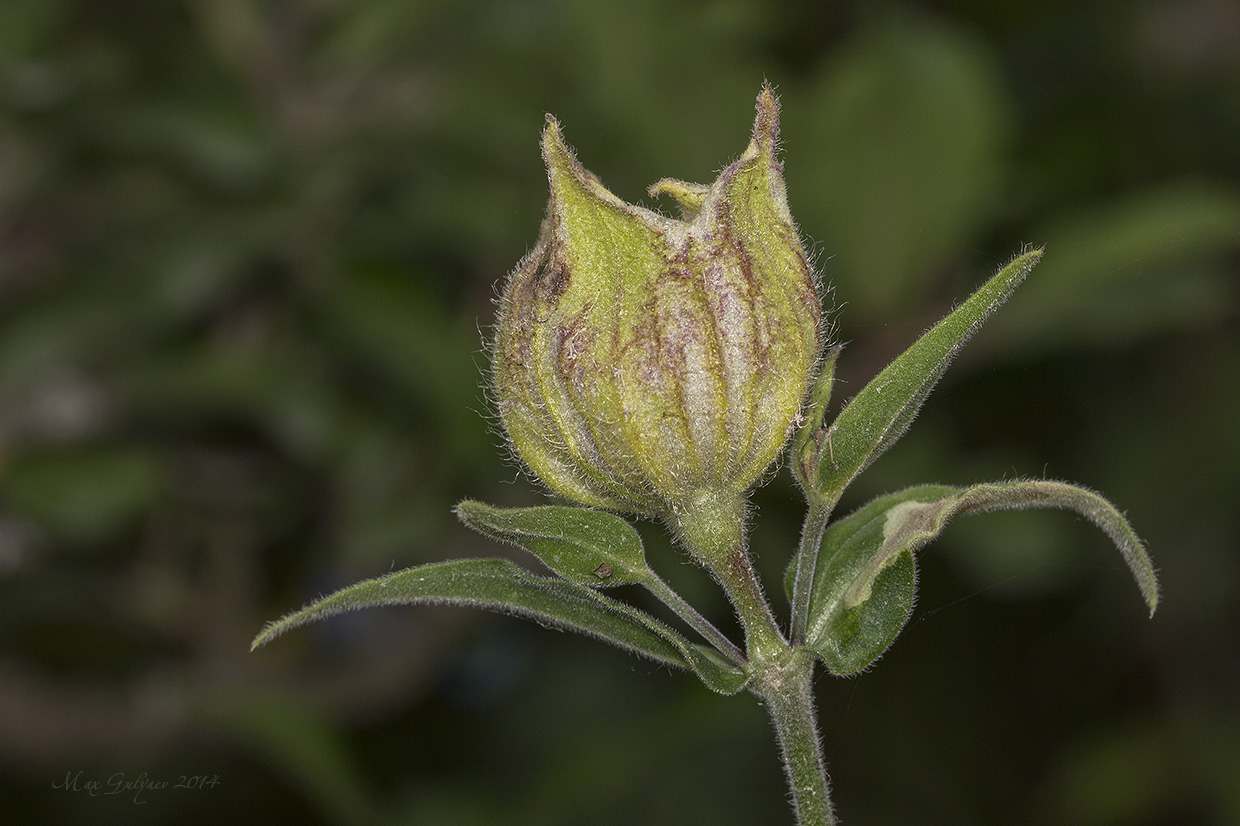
{"x": 265, "y": 636}
{"x": 1151, "y": 594}
{"x": 464, "y": 508}
{"x": 1032, "y": 250}
{"x": 1028, "y": 257}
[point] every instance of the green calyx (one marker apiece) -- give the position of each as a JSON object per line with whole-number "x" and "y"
{"x": 641, "y": 359}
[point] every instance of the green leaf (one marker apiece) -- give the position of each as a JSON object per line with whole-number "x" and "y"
{"x": 883, "y": 410}
{"x": 864, "y": 584}
{"x": 863, "y": 590}
{"x": 502, "y": 586}
{"x": 588, "y": 547}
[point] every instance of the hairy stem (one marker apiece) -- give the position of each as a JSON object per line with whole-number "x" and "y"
{"x": 712, "y": 530}
{"x": 698, "y": 622}
{"x": 787, "y": 692}
{"x": 806, "y": 562}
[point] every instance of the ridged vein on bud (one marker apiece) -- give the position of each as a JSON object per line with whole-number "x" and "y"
{"x": 640, "y": 359}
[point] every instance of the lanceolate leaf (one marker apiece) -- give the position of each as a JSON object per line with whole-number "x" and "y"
{"x": 864, "y": 583}
{"x": 502, "y": 586}
{"x": 882, "y": 411}
{"x": 588, "y": 547}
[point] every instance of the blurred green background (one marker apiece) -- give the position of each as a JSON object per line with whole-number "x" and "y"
{"x": 248, "y": 252}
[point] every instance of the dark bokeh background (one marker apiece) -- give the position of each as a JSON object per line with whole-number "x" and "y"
{"x": 247, "y": 252}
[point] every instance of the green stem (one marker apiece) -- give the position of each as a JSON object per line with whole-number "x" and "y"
{"x": 806, "y": 562}
{"x": 712, "y": 529}
{"x": 763, "y": 639}
{"x": 698, "y": 622}
{"x": 787, "y": 691}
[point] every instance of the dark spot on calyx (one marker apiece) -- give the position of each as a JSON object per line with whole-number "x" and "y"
{"x": 552, "y": 279}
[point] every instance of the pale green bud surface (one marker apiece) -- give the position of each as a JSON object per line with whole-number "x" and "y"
{"x": 642, "y": 362}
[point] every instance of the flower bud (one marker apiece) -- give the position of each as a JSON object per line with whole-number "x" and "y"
{"x": 642, "y": 362}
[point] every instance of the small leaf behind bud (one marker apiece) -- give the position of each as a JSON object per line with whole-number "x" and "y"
{"x": 587, "y": 547}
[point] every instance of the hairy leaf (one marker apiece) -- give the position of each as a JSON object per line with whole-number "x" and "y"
{"x": 500, "y": 585}
{"x": 864, "y": 583}
{"x": 883, "y": 410}
{"x": 588, "y": 547}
